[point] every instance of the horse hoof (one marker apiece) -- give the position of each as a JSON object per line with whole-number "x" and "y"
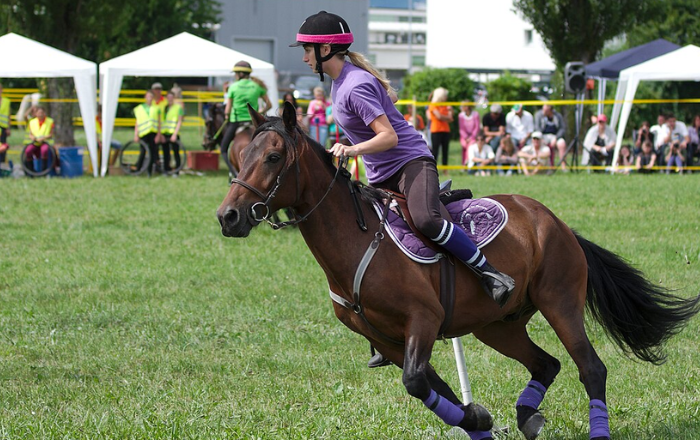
{"x": 533, "y": 426}
{"x": 476, "y": 418}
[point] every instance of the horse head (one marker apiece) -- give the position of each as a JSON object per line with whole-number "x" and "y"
{"x": 270, "y": 177}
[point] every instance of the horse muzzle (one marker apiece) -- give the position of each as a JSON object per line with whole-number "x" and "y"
{"x": 234, "y": 222}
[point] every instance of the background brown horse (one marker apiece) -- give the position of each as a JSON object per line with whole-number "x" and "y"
{"x": 557, "y": 273}
{"x": 214, "y": 124}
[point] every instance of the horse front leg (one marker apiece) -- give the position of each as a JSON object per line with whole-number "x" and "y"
{"x": 416, "y": 374}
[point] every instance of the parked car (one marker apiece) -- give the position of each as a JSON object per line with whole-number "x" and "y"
{"x": 304, "y": 86}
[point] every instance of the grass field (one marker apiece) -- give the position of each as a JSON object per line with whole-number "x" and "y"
{"x": 126, "y": 314}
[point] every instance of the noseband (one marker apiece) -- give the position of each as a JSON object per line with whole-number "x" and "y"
{"x": 267, "y": 199}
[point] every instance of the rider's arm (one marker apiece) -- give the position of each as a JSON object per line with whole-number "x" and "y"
{"x": 268, "y": 104}
{"x": 384, "y": 139}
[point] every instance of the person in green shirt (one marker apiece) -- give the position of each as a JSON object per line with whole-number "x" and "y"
{"x": 245, "y": 90}
{"x": 147, "y": 129}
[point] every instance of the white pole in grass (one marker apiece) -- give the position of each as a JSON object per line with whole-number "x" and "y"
{"x": 465, "y": 386}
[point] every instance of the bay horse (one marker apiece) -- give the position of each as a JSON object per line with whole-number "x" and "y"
{"x": 557, "y": 272}
{"x": 214, "y": 124}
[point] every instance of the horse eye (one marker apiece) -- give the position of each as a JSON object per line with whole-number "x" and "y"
{"x": 274, "y": 158}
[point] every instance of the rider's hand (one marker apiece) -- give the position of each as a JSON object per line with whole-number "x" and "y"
{"x": 339, "y": 149}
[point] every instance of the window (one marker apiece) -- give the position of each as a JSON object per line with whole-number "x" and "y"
{"x": 528, "y": 37}
{"x": 418, "y": 60}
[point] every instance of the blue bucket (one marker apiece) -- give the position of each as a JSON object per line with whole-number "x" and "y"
{"x": 71, "y": 159}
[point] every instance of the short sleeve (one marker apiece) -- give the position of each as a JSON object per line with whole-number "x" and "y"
{"x": 365, "y": 103}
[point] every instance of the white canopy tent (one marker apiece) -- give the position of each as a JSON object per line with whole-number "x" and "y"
{"x": 680, "y": 65}
{"x": 25, "y": 58}
{"x": 181, "y": 55}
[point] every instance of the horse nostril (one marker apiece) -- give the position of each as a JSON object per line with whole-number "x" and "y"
{"x": 230, "y": 218}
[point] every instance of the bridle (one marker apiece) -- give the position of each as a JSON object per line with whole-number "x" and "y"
{"x": 253, "y": 214}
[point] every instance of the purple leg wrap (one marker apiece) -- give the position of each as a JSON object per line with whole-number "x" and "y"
{"x": 598, "y": 419}
{"x": 443, "y": 408}
{"x": 479, "y": 435}
{"x": 532, "y": 395}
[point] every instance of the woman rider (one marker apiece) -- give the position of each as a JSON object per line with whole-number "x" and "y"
{"x": 395, "y": 154}
{"x": 245, "y": 90}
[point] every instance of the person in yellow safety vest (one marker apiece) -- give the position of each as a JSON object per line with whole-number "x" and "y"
{"x": 40, "y": 132}
{"x": 147, "y": 129}
{"x": 174, "y": 114}
{"x": 4, "y": 125}
{"x": 160, "y": 102}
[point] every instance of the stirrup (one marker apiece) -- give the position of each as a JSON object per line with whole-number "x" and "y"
{"x": 378, "y": 360}
{"x": 498, "y": 286}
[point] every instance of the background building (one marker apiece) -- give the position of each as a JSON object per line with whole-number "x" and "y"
{"x": 397, "y": 36}
{"x": 265, "y": 28}
{"x": 485, "y": 38}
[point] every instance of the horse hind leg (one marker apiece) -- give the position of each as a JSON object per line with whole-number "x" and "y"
{"x": 417, "y": 378}
{"x": 511, "y": 340}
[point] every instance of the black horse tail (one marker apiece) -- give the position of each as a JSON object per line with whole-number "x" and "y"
{"x": 639, "y": 316}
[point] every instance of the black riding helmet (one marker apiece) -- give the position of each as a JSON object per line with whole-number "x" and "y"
{"x": 324, "y": 28}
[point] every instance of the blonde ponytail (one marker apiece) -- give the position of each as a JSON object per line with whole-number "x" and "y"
{"x": 259, "y": 82}
{"x": 360, "y": 61}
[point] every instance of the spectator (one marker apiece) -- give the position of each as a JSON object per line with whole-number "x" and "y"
{"x": 553, "y": 127}
{"x": 646, "y": 159}
{"x": 316, "y": 112}
{"x": 160, "y": 102}
{"x": 599, "y": 143}
{"x": 534, "y": 156}
{"x": 494, "y": 125}
{"x": 642, "y": 135}
{"x": 520, "y": 124}
{"x": 174, "y": 115}
{"x": 674, "y": 157}
{"x": 440, "y": 117}
{"x": 506, "y": 156}
{"x": 147, "y": 129}
{"x": 289, "y": 97}
{"x": 678, "y": 134}
{"x": 625, "y": 159}
{"x": 480, "y": 154}
{"x": 469, "y": 128}
{"x": 660, "y": 131}
{"x": 694, "y": 138}
{"x": 4, "y": 125}
{"x": 416, "y": 121}
{"x": 40, "y": 132}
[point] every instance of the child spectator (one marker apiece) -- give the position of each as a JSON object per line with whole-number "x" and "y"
{"x": 480, "y": 154}
{"x": 642, "y": 135}
{"x": 694, "y": 141}
{"x": 506, "y": 156}
{"x": 318, "y": 129}
{"x": 674, "y": 157}
{"x": 625, "y": 159}
{"x": 646, "y": 159}
{"x": 419, "y": 124}
{"x": 469, "y": 128}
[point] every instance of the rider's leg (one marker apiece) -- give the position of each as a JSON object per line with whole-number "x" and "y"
{"x": 229, "y": 134}
{"x": 420, "y": 184}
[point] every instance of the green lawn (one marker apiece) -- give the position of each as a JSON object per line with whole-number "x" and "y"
{"x": 126, "y": 314}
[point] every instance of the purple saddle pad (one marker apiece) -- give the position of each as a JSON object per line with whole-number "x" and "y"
{"x": 482, "y": 219}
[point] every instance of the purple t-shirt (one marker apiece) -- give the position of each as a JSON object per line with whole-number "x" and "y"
{"x": 359, "y": 99}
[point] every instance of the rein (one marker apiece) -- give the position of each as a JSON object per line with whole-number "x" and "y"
{"x": 267, "y": 199}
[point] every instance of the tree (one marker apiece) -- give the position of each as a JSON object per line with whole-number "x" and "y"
{"x": 97, "y": 30}
{"x": 576, "y": 30}
{"x": 509, "y": 88}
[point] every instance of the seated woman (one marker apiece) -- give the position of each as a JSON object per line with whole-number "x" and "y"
{"x": 40, "y": 134}
{"x": 534, "y": 156}
{"x": 506, "y": 156}
{"x": 480, "y": 154}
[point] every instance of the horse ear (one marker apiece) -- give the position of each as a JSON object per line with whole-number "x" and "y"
{"x": 289, "y": 116}
{"x": 257, "y": 118}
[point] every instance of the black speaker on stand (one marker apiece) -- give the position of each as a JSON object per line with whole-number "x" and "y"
{"x": 575, "y": 83}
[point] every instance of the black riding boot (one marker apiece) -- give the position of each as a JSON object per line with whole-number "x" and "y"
{"x": 497, "y": 285}
{"x": 377, "y": 360}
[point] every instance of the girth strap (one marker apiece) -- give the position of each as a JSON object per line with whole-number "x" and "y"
{"x": 447, "y": 293}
